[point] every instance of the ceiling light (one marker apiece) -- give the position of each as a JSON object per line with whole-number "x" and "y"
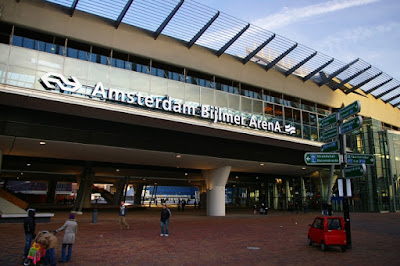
{"x": 261, "y": 164}
{"x": 42, "y": 143}
{"x": 178, "y": 156}
{"x": 303, "y": 168}
{"x": 117, "y": 170}
{"x": 256, "y": 177}
{"x": 186, "y": 173}
{"x": 237, "y": 177}
{"x": 28, "y": 164}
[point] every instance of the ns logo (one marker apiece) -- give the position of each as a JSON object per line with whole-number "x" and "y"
{"x": 57, "y": 81}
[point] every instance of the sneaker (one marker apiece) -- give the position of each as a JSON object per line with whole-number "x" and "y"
{"x": 166, "y": 234}
{"x": 127, "y": 228}
{"x": 161, "y": 234}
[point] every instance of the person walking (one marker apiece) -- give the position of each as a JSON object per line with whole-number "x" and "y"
{"x": 49, "y": 241}
{"x": 71, "y": 228}
{"x": 122, "y": 214}
{"x": 165, "y": 217}
{"x": 29, "y": 228}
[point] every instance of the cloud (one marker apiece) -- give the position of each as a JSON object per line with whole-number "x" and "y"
{"x": 290, "y": 15}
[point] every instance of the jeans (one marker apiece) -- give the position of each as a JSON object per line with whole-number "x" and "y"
{"x": 50, "y": 257}
{"x": 68, "y": 258}
{"x": 166, "y": 227}
{"x": 28, "y": 242}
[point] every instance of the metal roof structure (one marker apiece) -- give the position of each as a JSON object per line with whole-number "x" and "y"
{"x": 195, "y": 23}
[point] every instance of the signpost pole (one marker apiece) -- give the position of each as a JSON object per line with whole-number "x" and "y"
{"x": 346, "y": 207}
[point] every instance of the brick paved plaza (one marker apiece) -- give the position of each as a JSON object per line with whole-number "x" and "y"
{"x": 196, "y": 239}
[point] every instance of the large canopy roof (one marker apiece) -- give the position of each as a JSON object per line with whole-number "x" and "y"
{"x": 195, "y": 23}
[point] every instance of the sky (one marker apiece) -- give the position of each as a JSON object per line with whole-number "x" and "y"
{"x": 342, "y": 29}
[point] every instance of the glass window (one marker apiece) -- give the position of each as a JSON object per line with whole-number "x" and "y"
{"x": 306, "y": 132}
{"x": 278, "y": 111}
{"x": 313, "y": 119}
{"x": 306, "y": 117}
{"x": 5, "y": 32}
{"x": 268, "y": 109}
{"x": 288, "y": 114}
{"x": 207, "y": 96}
{"x": 296, "y": 116}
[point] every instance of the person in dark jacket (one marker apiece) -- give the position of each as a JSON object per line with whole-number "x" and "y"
{"x": 29, "y": 228}
{"x": 165, "y": 216}
{"x": 122, "y": 214}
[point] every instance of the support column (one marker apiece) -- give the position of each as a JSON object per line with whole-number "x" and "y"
{"x": 216, "y": 180}
{"x": 51, "y": 191}
{"x": 288, "y": 194}
{"x": 276, "y": 196}
{"x": 85, "y": 182}
{"x": 137, "y": 196}
{"x": 303, "y": 190}
{"x": 119, "y": 191}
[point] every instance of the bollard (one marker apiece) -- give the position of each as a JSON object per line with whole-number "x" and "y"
{"x": 94, "y": 216}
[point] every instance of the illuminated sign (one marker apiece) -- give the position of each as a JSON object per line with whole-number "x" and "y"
{"x": 55, "y": 81}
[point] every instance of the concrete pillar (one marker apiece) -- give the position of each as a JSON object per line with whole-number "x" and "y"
{"x": 51, "y": 191}
{"x": 303, "y": 190}
{"x": 119, "y": 191}
{"x": 276, "y": 196}
{"x": 215, "y": 181}
{"x": 85, "y": 182}
{"x": 288, "y": 194}
{"x": 138, "y": 190}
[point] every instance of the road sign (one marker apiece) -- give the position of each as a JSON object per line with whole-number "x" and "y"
{"x": 355, "y": 171}
{"x": 329, "y": 120}
{"x": 350, "y": 110}
{"x": 329, "y": 134}
{"x": 352, "y": 158}
{"x": 318, "y": 158}
{"x": 351, "y": 125}
{"x": 331, "y": 146}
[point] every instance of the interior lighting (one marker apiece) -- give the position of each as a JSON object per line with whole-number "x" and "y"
{"x": 28, "y": 164}
{"x": 117, "y": 170}
{"x": 178, "y": 156}
{"x": 237, "y": 177}
{"x": 303, "y": 168}
{"x": 42, "y": 143}
{"x": 186, "y": 173}
{"x": 261, "y": 164}
{"x": 256, "y": 177}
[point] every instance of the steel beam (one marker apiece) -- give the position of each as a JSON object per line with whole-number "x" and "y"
{"x": 255, "y": 51}
{"x": 377, "y": 86}
{"x": 123, "y": 13}
{"x": 317, "y": 70}
{"x": 167, "y": 20}
{"x": 73, "y": 7}
{"x": 386, "y": 92}
{"x": 279, "y": 58}
{"x": 290, "y": 71}
{"x": 337, "y": 72}
{"x": 201, "y": 32}
{"x": 363, "y": 83}
{"x": 226, "y": 46}
{"x": 337, "y": 86}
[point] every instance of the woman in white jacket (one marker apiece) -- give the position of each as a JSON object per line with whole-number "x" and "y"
{"x": 71, "y": 228}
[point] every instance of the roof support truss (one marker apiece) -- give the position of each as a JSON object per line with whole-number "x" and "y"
{"x": 167, "y": 20}
{"x": 123, "y": 12}
{"x": 205, "y": 27}
{"x": 73, "y": 7}
{"x": 337, "y": 86}
{"x": 377, "y": 86}
{"x": 363, "y": 83}
{"x": 317, "y": 70}
{"x": 279, "y": 58}
{"x": 337, "y": 72}
{"x": 255, "y": 51}
{"x": 290, "y": 71}
{"x": 392, "y": 98}
{"x": 386, "y": 92}
{"x": 229, "y": 43}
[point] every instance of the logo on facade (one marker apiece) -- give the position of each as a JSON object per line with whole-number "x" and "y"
{"x": 55, "y": 81}
{"x": 58, "y": 81}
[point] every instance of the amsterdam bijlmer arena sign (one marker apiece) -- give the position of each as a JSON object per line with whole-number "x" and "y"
{"x": 55, "y": 81}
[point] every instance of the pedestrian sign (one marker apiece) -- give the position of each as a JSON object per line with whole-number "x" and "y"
{"x": 350, "y": 110}
{"x": 322, "y": 158}
{"x": 352, "y": 158}
{"x": 355, "y": 171}
{"x": 351, "y": 125}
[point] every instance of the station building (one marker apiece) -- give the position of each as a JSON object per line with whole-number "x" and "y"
{"x": 139, "y": 93}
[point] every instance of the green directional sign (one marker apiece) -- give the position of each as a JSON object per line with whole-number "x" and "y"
{"x": 329, "y": 134}
{"x": 351, "y": 125}
{"x": 318, "y": 158}
{"x": 355, "y": 171}
{"x": 350, "y": 110}
{"x": 331, "y": 146}
{"x": 352, "y": 158}
{"x": 329, "y": 120}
